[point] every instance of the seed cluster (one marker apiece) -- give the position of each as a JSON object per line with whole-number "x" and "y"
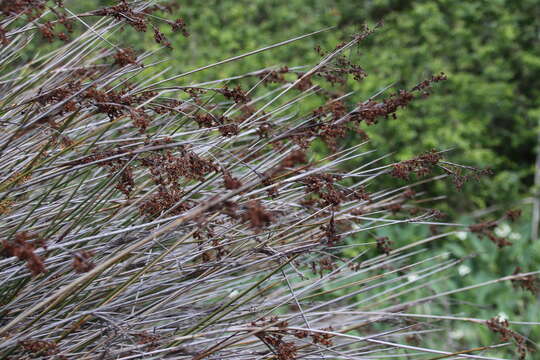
{"x": 500, "y": 326}
{"x": 24, "y": 250}
{"x": 275, "y": 339}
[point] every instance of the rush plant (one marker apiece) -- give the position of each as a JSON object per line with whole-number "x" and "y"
{"x": 145, "y": 216}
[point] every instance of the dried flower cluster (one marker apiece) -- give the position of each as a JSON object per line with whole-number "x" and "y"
{"x": 24, "y": 250}
{"x": 384, "y": 245}
{"x": 526, "y": 282}
{"x": 40, "y": 347}
{"x": 420, "y": 166}
{"x": 82, "y": 262}
{"x": 486, "y": 229}
{"x": 500, "y": 326}
{"x": 274, "y": 338}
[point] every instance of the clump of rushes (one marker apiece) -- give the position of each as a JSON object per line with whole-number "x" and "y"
{"x": 145, "y": 219}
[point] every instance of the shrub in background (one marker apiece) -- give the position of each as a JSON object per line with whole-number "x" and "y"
{"x": 147, "y": 217}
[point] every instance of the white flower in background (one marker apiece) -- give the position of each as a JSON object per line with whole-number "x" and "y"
{"x": 514, "y": 236}
{"x": 463, "y": 270}
{"x": 502, "y": 317}
{"x": 461, "y": 235}
{"x": 233, "y": 294}
{"x": 412, "y": 277}
{"x": 457, "y": 334}
{"x": 503, "y": 230}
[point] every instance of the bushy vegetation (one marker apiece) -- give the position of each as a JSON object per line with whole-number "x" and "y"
{"x": 155, "y": 211}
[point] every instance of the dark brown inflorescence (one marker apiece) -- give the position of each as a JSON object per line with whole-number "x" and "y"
{"x": 257, "y": 216}
{"x": 420, "y": 166}
{"x": 384, "y": 245}
{"x": 526, "y": 282}
{"x": 500, "y": 326}
{"x": 82, "y": 262}
{"x": 40, "y": 347}
{"x": 486, "y": 229}
{"x": 24, "y": 250}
